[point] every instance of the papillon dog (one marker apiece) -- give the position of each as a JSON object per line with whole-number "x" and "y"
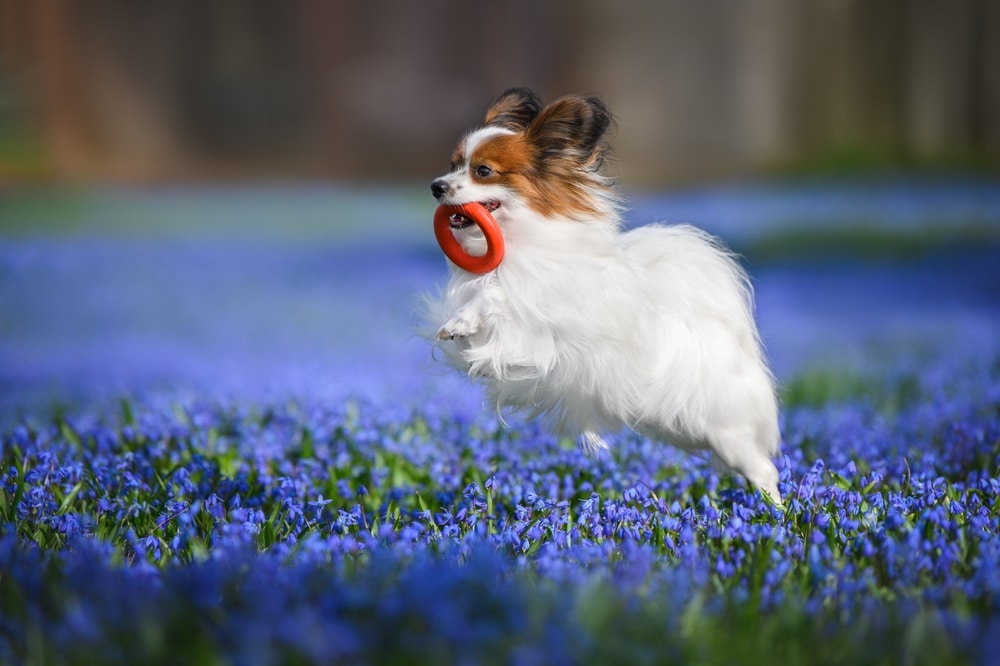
{"x": 589, "y": 326}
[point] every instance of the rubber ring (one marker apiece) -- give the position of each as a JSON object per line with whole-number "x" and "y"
{"x": 454, "y": 250}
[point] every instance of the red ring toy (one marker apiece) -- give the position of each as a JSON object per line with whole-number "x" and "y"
{"x": 454, "y": 251}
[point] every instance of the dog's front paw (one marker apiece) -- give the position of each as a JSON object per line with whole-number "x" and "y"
{"x": 460, "y": 326}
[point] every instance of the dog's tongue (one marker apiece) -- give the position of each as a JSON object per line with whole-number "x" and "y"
{"x": 459, "y": 221}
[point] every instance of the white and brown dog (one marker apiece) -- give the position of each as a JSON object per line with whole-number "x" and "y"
{"x": 589, "y": 326}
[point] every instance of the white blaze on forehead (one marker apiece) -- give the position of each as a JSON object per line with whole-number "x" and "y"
{"x": 476, "y": 138}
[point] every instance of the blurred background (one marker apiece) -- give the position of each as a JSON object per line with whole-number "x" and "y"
{"x": 230, "y": 197}
{"x": 362, "y": 91}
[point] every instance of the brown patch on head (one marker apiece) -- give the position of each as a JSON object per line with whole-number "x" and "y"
{"x": 505, "y": 156}
{"x": 554, "y": 160}
{"x": 553, "y": 182}
{"x": 550, "y": 157}
{"x": 568, "y": 137}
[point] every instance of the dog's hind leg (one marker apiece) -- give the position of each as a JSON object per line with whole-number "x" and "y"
{"x": 736, "y": 450}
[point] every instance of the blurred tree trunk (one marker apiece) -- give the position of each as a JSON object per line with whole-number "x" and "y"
{"x": 941, "y": 43}
{"x": 61, "y": 100}
{"x": 12, "y": 42}
{"x": 854, "y": 67}
{"x": 987, "y": 102}
{"x": 769, "y": 72}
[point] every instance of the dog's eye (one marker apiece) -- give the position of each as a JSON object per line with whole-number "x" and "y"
{"x": 484, "y": 171}
{"x": 452, "y": 166}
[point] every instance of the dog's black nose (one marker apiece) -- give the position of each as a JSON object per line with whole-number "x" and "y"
{"x": 438, "y": 188}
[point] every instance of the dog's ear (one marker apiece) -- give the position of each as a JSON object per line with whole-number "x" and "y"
{"x": 574, "y": 127}
{"x": 514, "y": 109}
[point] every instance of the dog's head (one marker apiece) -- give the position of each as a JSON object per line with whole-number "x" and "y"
{"x": 545, "y": 158}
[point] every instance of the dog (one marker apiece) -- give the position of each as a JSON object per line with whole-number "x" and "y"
{"x": 588, "y": 326}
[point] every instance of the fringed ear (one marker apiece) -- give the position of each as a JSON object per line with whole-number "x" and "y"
{"x": 573, "y": 127}
{"x": 514, "y": 109}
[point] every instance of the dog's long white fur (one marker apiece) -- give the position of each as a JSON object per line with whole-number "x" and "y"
{"x": 596, "y": 329}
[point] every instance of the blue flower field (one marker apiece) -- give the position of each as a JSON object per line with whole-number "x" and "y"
{"x": 222, "y": 443}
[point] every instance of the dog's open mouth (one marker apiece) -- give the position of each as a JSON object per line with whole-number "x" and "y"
{"x": 459, "y": 221}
